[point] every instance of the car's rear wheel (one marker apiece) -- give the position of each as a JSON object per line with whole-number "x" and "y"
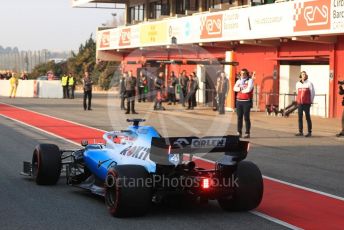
{"x": 248, "y": 192}
{"x": 127, "y": 192}
{"x": 46, "y": 164}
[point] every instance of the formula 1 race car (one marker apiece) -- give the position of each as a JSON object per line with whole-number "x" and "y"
{"x": 137, "y": 166}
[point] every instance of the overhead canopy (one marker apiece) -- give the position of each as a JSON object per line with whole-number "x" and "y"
{"x": 80, "y": 3}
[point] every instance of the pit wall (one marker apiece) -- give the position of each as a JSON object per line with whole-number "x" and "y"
{"x": 33, "y": 88}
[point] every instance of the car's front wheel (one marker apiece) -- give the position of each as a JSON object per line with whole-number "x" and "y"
{"x": 46, "y": 164}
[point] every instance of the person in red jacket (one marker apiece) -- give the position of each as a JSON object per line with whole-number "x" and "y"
{"x": 244, "y": 89}
{"x": 304, "y": 99}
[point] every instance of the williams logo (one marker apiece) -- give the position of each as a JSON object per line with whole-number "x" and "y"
{"x": 208, "y": 143}
{"x": 181, "y": 143}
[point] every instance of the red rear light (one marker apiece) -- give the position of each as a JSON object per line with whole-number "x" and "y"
{"x": 205, "y": 183}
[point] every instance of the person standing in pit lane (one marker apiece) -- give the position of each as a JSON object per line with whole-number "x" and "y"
{"x": 130, "y": 85}
{"x": 222, "y": 86}
{"x": 122, "y": 90}
{"x": 171, "y": 91}
{"x": 244, "y": 89}
{"x": 159, "y": 84}
{"x": 64, "y": 83}
{"x": 87, "y": 86}
{"x": 191, "y": 90}
{"x": 305, "y": 96}
{"x": 71, "y": 85}
{"x": 341, "y": 92}
{"x": 14, "y": 85}
{"x": 142, "y": 87}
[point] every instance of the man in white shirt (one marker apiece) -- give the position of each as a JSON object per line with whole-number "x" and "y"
{"x": 305, "y": 96}
{"x": 244, "y": 89}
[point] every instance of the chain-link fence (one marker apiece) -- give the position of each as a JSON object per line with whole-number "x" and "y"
{"x": 27, "y": 60}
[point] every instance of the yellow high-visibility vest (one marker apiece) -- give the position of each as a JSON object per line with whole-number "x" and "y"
{"x": 71, "y": 81}
{"x": 13, "y": 81}
{"x": 64, "y": 80}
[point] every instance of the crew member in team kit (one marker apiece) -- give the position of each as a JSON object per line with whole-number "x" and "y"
{"x": 244, "y": 89}
{"x": 305, "y": 96}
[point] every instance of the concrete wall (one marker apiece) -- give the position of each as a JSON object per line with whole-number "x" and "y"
{"x": 33, "y": 88}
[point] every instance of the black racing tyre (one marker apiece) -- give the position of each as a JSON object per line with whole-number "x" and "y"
{"x": 46, "y": 164}
{"x": 249, "y": 192}
{"x": 127, "y": 193}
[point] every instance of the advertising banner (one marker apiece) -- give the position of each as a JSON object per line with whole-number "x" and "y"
{"x": 153, "y": 33}
{"x": 286, "y": 19}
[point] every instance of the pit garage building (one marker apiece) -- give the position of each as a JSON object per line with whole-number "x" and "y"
{"x": 276, "y": 39}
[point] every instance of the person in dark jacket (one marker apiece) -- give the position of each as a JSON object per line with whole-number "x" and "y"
{"x": 142, "y": 83}
{"x": 171, "y": 91}
{"x": 87, "y": 86}
{"x": 195, "y": 78}
{"x": 159, "y": 84}
{"x": 222, "y": 86}
{"x": 122, "y": 90}
{"x": 191, "y": 90}
{"x": 341, "y": 92}
{"x": 183, "y": 81}
{"x": 130, "y": 85}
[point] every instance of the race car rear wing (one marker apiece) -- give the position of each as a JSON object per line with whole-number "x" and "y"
{"x": 162, "y": 149}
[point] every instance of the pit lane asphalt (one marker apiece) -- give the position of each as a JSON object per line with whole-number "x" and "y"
{"x": 25, "y": 205}
{"x": 316, "y": 162}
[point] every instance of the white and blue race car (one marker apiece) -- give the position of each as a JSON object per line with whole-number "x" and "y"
{"x": 137, "y": 166}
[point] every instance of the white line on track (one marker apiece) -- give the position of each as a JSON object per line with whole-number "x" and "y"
{"x": 262, "y": 215}
{"x": 277, "y": 221}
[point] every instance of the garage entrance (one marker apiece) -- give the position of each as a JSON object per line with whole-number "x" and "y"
{"x": 318, "y": 73}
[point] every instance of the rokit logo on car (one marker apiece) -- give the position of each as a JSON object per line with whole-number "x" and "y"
{"x": 138, "y": 152}
{"x": 208, "y": 143}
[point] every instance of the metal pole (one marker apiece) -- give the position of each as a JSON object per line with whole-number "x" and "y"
{"x": 325, "y": 105}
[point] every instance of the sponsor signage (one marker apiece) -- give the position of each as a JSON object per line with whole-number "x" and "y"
{"x": 153, "y": 33}
{"x": 211, "y": 26}
{"x": 125, "y": 37}
{"x": 105, "y": 39}
{"x": 197, "y": 143}
{"x": 292, "y": 18}
{"x": 208, "y": 143}
{"x": 312, "y": 15}
{"x": 337, "y": 12}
